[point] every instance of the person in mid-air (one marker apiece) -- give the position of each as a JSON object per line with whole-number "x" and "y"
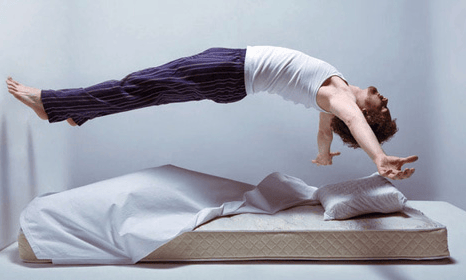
{"x": 359, "y": 116}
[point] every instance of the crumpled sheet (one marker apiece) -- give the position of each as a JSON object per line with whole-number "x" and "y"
{"x": 122, "y": 220}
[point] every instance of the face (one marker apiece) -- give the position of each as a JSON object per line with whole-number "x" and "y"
{"x": 374, "y": 101}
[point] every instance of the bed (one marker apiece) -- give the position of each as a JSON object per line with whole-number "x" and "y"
{"x": 452, "y": 268}
{"x": 300, "y": 233}
{"x": 173, "y": 214}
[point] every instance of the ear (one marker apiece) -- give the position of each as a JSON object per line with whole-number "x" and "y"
{"x": 364, "y": 112}
{"x": 369, "y": 117}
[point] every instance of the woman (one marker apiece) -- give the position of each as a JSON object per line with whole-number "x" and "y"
{"x": 359, "y": 116}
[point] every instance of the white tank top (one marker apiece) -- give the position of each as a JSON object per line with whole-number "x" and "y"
{"x": 292, "y": 74}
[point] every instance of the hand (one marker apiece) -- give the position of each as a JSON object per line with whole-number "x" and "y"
{"x": 390, "y": 167}
{"x": 325, "y": 159}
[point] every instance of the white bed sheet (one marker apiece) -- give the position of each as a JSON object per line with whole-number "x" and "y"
{"x": 121, "y": 220}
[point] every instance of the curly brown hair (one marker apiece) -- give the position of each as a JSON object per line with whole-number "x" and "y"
{"x": 382, "y": 125}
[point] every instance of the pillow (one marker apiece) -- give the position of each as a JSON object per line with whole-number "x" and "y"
{"x": 372, "y": 194}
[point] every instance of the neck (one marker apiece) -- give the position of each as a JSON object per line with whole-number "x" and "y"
{"x": 357, "y": 93}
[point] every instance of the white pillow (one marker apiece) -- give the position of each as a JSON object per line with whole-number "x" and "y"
{"x": 372, "y": 194}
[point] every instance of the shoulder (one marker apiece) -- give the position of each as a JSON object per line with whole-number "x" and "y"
{"x": 334, "y": 89}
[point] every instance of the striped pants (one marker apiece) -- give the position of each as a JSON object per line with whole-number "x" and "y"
{"x": 216, "y": 74}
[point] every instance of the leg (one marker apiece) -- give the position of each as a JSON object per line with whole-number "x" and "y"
{"x": 216, "y": 74}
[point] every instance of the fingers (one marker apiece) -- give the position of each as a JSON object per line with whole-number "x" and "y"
{"x": 325, "y": 159}
{"x": 320, "y": 163}
{"x": 399, "y": 175}
{"x": 410, "y": 171}
{"x": 335, "y": 154}
{"x": 410, "y": 159}
{"x": 404, "y": 174}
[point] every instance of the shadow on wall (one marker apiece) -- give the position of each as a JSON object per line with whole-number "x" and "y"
{"x": 5, "y": 215}
{"x": 31, "y": 160}
{"x": 16, "y": 188}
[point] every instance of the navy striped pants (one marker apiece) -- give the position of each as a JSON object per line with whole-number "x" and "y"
{"x": 216, "y": 74}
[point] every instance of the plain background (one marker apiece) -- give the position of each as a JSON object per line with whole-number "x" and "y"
{"x": 413, "y": 51}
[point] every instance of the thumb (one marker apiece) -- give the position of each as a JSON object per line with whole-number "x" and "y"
{"x": 410, "y": 159}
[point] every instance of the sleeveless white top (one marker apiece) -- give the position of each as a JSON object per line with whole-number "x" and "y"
{"x": 292, "y": 74}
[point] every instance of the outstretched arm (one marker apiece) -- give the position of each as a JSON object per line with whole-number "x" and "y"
{"x": 388, "y": 166}
{"x": 324, "y": 141}
{"x": 345, "y": 108}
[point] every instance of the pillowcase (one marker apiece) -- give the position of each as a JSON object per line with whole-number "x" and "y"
{"x": 372, "y": 194}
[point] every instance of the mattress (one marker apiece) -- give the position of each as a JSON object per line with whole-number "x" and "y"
{"x": 300, "y": 233}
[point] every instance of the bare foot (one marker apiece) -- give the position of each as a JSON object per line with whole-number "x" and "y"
{"x": 31, "y": 97}
{"x": 71, "y": 122}
{"x": 28, "y": 95}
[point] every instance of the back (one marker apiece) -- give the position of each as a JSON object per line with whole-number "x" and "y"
{"x": 292, "y": 74}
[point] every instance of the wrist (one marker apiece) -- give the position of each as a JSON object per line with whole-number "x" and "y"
{"x": 324, "y": 153}
{"x": 323, "y": 156}
{"x": 378, "y": 158}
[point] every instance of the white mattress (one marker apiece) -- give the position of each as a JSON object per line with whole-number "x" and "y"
{"x": 300, "y": 233}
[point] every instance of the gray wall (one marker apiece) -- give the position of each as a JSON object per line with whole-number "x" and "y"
{"x": 408, "y": 49}
{"x": 33, "y": 155}
{"x": 448, "y": 29}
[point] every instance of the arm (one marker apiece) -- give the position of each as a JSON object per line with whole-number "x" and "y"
{"x": 324, "y": 141}
{"x": 345, "y": 108}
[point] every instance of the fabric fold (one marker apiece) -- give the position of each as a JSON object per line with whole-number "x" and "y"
{"x": 122, "y": 220}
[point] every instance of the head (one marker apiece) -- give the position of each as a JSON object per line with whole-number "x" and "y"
{"x": 374, "y": 107}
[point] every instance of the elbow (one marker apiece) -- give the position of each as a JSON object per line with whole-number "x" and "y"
{"x": 353, "y": 121}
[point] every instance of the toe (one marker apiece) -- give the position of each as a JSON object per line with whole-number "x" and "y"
{"x": 10, "y": 83}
